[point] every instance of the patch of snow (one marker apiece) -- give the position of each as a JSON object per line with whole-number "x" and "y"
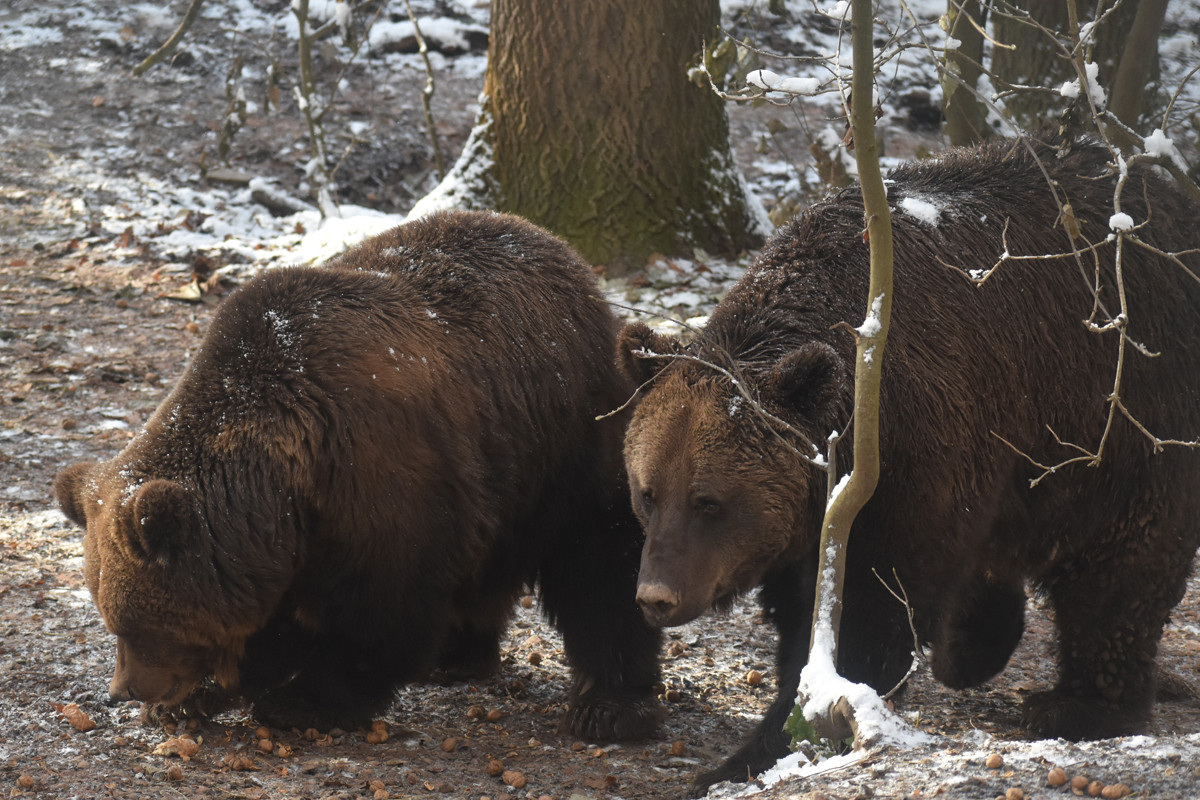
{"x": 1120, "y": 222}
{"x": 921, "y": 210}
{"x": 769, "y": 81}
{"x": 873, "y": 323}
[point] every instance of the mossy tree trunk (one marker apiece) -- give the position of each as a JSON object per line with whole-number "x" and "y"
{"x": 591, "y": 128}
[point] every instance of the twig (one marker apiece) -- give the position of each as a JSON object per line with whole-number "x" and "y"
{"x": 170, "y": 44}
{"x": 918, "y": 650}
{"x": 427, "y": 93}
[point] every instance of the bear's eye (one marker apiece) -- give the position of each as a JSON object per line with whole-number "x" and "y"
{"x": 708, "y": 506}
{"x": 647, "y": 497}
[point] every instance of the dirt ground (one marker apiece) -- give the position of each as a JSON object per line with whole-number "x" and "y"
{"x": 94, "y": 329}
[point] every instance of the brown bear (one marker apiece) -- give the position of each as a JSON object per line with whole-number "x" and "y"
{"x": 361, "y": 468}
{"x": 979, "y": 382}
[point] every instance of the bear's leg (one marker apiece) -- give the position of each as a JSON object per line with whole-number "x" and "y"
{"x": 469, "y": 652}
{"x": 875, "y": 647}
{"x": 1110, "y": 606}
{"x": 787, "y": 599}
{"x": 588, "y": 589}
{"x": 979, "y": 633}
{"x": 340, "y": 685}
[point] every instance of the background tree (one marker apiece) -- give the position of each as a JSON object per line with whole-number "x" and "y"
{"x": 1039, "y": 46}
{"x": 590, "y": 127}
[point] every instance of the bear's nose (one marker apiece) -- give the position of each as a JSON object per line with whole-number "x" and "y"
{"x": 657, "y": 601}
{"x": 119, "y": 692}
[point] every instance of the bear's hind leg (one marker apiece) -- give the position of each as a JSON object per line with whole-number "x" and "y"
{"x": 1110, "y": 607}
{"x": 588, "y": 588}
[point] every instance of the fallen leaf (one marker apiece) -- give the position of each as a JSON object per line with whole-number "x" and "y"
{"x": 75, "y": 715}
{"x": 183, "y": 746}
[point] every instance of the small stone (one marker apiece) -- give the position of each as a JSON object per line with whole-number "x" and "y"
{"x": 513, "y": 778}
{"x": 381, "y": 794}
{"x": 494, "y": 715}
{"x": 375, "y": 785}
{"x": 1114, "y": 791}
{"x": 754, "y": 677}
{"x": 578, "y": 747}
{"x": 449, "y": 745}
{"x": 535, "y": 658}
{"x": 283, "y": 750}
{"x": 174, "y": 773}
{"x": 25, "y": 781}
{"x": 1056, "y": 777}
{"x": 676, "y": 749}
{"x": 1095, "y": 788}
{"x": 527, "y": 601}
{"x": 1014, "y": 793}
{"x": 994, "y": 761}
{"x": 68, "y": 424}
{"x": 1079, "y": 784}
{"x": 376, "y": 737}
{"x": 192, "y": 327}
{"x": 312, "y": 734}
{"x": 475, "y": 712}
{"x": 262, "y": 732}
{"x": 266, "y": 745}
{"x": 495, "y": 767}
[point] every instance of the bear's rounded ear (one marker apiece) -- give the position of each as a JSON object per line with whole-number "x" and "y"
{"x": 69, "y": 484}
{"x": 162, "y": 518}
{"x": 808, "y": 380}
{"x": 637, "y": 345}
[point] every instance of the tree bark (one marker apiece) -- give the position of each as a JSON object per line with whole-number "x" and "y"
{"x": 591, "y": 128}
{"x": 966, "y": 116}
{"x": 1137, "y": 62}
{"x": 1039, "y": 60}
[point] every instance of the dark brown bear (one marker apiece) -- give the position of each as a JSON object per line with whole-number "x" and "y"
{"x": 729, "y": 504}
{"x": 362, "y": 466}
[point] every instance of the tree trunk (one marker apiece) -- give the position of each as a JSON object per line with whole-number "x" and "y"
{"x": 1039, "y": 60}
{"x": 966, "y": 116}
{"x": 591, "y": 128}
{"x": 1137, "y": 62}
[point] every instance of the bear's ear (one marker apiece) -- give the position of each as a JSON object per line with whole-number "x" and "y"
{"x": 635, "y": 342}
{"x": 69, "y": 484}
{"x": 809, "y": 380}
{"x": 163, "y": 518}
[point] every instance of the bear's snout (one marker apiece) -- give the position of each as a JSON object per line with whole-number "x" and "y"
{"x": 658, "y": 601}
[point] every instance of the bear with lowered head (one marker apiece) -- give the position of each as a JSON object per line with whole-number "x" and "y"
{"x": 360, "y": 470}
{"x": 984, "y": 381}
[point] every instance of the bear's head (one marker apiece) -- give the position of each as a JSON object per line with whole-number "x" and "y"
{"x": 722, "y": 488}
{"x": 149, "y": 567}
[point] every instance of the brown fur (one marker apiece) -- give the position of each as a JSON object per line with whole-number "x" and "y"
{"x": 728, "y": 504}
{"x": 361, "y": 468}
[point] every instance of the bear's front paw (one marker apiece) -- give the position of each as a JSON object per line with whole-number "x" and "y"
{"x": 207, "y": 700}
{"x": 613, "y": 717}
{"x": 1057, "y": 714}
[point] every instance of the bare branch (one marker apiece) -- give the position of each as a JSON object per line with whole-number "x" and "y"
{"x": 168, "y": 47}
